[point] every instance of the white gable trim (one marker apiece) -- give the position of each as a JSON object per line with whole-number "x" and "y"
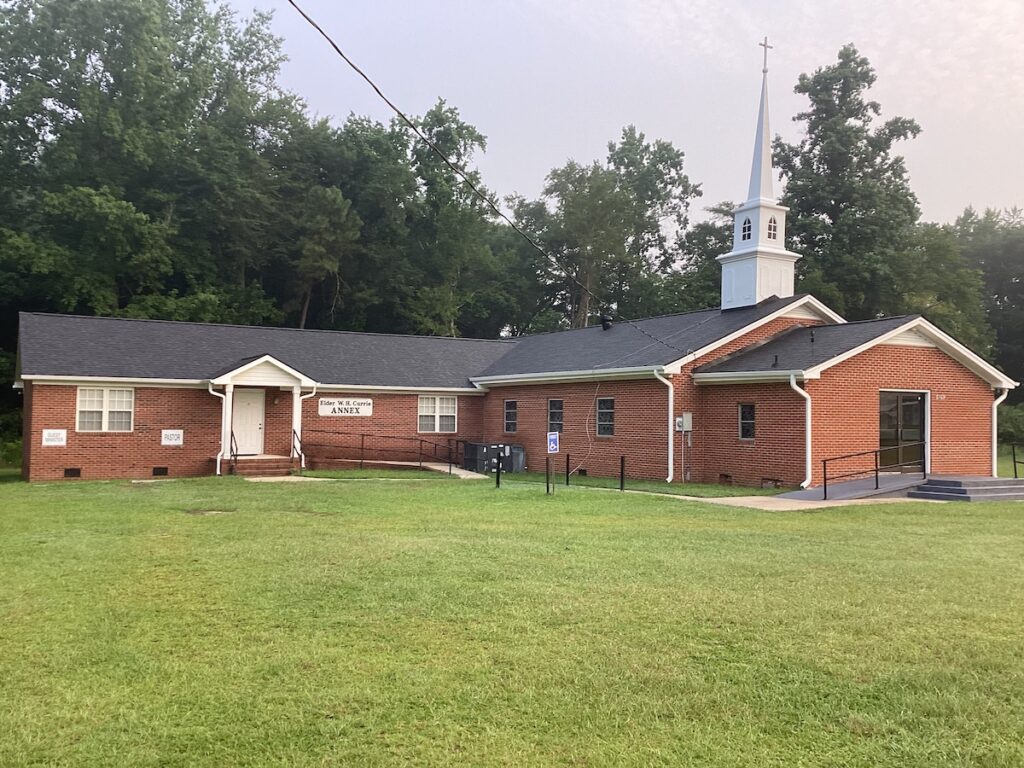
{"x": 227, "y": 378}
{"x": 943, "y": 341}
{"x": 799, "y": 308}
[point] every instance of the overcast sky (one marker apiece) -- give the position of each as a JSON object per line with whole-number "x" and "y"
{"x": 549, "y": 80}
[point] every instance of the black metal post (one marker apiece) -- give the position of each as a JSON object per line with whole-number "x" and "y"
{"x": 824, "y": 479}
{"x": 497, "y": 473}
{"x": 419, "y": 450}
{"x": 567, "y": 469}
{"x": 1013, "y": 452}
{"x": 622, "y": 473}
{"x": 362, "y": 449}
{"x": 876, "y": 469}
{"x": 547, "y": 476}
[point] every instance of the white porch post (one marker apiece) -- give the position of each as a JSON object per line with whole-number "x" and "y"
{"x": 229, "y": 409}
{"x": 296, "y": 420}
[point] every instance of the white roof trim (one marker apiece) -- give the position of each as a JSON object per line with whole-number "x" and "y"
{"x": 546, "y": 377}
{"x": 749, "y": 377}
{"x": 944, "y": 341}
{"x": 806, "y": 301}
{"x": 142, "y": 382}
{"x": 226, "y": 378}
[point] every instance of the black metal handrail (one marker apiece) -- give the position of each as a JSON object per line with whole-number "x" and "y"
{"x": 297, "y": 449}
{"x": 1016, "y": 461}
{"x": 233, "y": 452}
{"x": 878, "y": 468}
{"x": 417, "y": 449}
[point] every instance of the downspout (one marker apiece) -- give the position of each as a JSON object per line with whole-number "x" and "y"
{"x": 220, "y": 453}
{"x": 671, "y": 423}
{"x": 995, "y": 436}
{"x": 302, "y": 454}
{"x": 808, "y": 468}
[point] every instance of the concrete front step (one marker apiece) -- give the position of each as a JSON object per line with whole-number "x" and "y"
{"x": 975, "y": 482}
{"x": 939, "y": 493}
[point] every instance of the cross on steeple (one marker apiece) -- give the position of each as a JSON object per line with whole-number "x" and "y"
{"x": 766, "y": 47}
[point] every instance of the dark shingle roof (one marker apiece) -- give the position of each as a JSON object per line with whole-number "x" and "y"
{"x": 66, "y": 345}
{"x": 650, "y": 342}
{"x": 794, "y": 350}
{"x": 70, "y": 345}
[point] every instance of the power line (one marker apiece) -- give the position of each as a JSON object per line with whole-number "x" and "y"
{"x": 464, "y": 176}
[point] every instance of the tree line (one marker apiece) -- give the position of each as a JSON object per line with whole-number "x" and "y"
{"x": 153, "y": 166}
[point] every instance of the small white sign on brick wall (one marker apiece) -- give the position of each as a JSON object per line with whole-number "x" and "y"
{"x": 172, "y": 437}
{"x": 344, "y": 406}
{"x": 55, "y": 437}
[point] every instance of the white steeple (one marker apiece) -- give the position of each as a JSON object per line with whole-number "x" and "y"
{"x": 759, "y": 266}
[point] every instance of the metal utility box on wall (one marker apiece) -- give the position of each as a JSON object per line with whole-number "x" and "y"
{"x": 684, "y": 423}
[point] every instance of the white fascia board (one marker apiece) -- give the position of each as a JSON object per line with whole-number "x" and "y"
{"x": 227, "y": 377}
{"x": 749, "y": 377}
{"x": 945, "y": 342}
{"x": 420, "y": 390}
{"x": 806, "y": 301}
{"x": 555, "y": 377}
{"x": 134, "y": 380}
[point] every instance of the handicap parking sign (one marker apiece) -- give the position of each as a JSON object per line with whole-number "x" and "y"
{"x": 552, "y": 442}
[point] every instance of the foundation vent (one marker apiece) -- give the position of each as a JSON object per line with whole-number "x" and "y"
{"x": 159, "y": 471}
{"x": 72, "y": 471}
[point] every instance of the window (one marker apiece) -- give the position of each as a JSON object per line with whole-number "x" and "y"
{"x": 745, "y": 230}
{"x": 556, "y": 415}
{"x": 437, "y": 414}
{"x": 105, "y": 410}
{"x": 773, "y": 229}
{"x": 746, "y": 421}
{"x": 511, "y": 415}
{"x": 605, "y": 417}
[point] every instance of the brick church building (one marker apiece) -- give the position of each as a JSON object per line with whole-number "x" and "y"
{"x": 758, "y": 390}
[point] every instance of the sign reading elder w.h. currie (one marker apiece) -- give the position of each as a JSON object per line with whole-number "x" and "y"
{"x": 344, "y": 406}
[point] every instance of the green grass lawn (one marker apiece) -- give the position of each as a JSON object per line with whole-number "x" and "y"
{"x": 219, "y": 622}
{"x": 704, "y": 490}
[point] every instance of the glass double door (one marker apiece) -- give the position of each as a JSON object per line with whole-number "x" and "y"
{"x": 901, "y": 431}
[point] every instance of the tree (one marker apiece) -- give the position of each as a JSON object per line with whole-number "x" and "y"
{"x": 852, "y": 211}
{"x": 611, "y": 227}
{"x": 993, "y": 242}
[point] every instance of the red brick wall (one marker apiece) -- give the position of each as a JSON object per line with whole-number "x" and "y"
{"x": 845, "y": 415}
{"x": 123, "y": 454}
{"x": 640, "y": 424}
{"x": 777, "y": 450}
{"x": 641, "y": 413}
{"x": 392, "y": 430}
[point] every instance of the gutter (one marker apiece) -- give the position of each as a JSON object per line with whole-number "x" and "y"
{"x": 302, "y": 453}
{"x": 808, "y": 469}
{"x": 995, "y": 436}
{"x": 671, "y": 425}
{"x": 546, "y": 377}
{"x": 220, "y": 453}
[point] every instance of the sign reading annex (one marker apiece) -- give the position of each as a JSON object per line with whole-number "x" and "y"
{"x": 345, "y": 406}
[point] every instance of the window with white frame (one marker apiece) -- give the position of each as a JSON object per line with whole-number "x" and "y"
{"x": 437, "y": 413}
{"x": 773, "y": 229}
{"x": 511, "y": 415}
{"x": 556, "y": 415}
{"x": 103, "y": 409}
{"x": 747, "y": 413}
{"x": 606, "y": 416}
{"x": 745, "y": 230}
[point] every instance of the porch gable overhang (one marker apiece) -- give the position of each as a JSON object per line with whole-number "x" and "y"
{"x": 229, "y": 376}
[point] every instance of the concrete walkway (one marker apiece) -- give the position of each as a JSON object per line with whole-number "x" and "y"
{"x": 432, "y": 466}
{"x": 767, "y": 503}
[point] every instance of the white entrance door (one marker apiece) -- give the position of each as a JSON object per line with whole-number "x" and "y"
{"x": 247, "y": 420}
